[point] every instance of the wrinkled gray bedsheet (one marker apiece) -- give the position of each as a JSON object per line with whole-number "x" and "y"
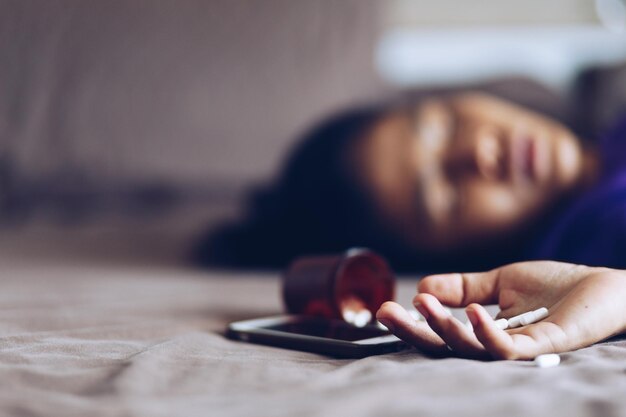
{"x": 91, "y": 339}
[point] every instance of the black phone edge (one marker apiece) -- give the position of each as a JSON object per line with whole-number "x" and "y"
{"x": 337, "y": 349}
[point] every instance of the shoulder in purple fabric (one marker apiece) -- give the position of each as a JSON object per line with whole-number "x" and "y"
{"x": 593, "y": 230}
{"x": 613, "y": 150}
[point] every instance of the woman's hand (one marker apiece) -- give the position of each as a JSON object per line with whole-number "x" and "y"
{"x": 586, "y": 305}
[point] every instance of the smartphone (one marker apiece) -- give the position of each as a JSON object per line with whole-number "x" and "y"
{"x": 329, "y": 337}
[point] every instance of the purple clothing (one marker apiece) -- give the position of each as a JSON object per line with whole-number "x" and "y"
{"x": 593, "y": 230}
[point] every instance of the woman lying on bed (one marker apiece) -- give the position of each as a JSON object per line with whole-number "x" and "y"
{"x": 459, "y": 183}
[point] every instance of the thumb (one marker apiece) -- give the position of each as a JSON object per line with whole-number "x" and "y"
{"x": 461, "y": 289}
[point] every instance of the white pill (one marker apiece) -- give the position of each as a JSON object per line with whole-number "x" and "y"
{"x": 527, "y": 318}
{"x": 362, "y": 318}
{"x": 381, "y": 326}
{"x": 502, "y": 324}
{"x": 540, "y": 314}
{"x": 514, "y": 321}
{"x": 469, "y": 325}
{"x": 534, "y": 316}
{"x": 548, "y": 360}
{"x": 349, "y": 316}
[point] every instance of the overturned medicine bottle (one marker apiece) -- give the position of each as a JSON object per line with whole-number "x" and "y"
{"x": 351, "y": 286}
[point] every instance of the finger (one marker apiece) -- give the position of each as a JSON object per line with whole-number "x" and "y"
{"x": 523, "y": 343}
{"x": 495, "y": 340}
{"x": 456, "y": 335}
{"x": 461, "y": 289}
{"x": 414, "y": 332}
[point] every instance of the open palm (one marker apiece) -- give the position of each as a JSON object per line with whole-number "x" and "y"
{"x": 585, "y": 305}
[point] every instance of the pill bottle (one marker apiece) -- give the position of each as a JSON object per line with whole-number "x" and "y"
{"x": 350, "y": 286}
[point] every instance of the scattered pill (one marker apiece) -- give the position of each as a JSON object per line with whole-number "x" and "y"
{"x": 502, "y": 324}
{"x": 515, "y": 321}
{"x": 548, "y": 360}
{"x": 349, "y": 315}
{"x": 534, "y": 316}
{"x": 527, "y": 318}
{"x": 541, "y": 313}
{"x": 362, "y": 318}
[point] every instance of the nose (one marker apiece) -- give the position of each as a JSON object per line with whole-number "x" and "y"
{"x": 489, "y": 154}
{"x": 479, "y": 153}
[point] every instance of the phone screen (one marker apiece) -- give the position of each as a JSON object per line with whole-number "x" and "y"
{"x": 330, "y": 329}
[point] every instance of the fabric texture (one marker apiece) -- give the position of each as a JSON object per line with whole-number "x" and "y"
{"x": 83, "y": 336}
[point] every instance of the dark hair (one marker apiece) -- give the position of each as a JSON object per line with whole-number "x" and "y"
{"x": 315, "y": 206}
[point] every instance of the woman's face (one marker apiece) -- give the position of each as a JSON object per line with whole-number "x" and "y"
{"x": 466, "y": 169}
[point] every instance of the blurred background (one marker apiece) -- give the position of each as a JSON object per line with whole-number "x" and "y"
{"x": 128, "y": 128}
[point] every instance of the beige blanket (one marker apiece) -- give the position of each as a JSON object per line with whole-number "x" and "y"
{"x": 91, "y": 339}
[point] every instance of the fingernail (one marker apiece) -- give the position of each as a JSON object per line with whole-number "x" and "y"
{"x": 387, "y": 324}
{"x": 472, "y": 316}
{"x": 422, "y": 311}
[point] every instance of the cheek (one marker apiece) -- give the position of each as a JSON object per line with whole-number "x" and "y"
{"x": 567, "y": 160}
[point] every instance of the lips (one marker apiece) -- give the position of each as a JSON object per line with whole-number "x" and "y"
{"x": 520, "y": 157}
{"x": 527, "y": 157}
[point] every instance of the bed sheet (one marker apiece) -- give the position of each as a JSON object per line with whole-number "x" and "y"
{"x": 95, "y": 339}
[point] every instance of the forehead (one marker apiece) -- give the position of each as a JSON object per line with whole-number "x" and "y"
{"x": 386, "y": 167}
{"x": 489, "y": 108}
